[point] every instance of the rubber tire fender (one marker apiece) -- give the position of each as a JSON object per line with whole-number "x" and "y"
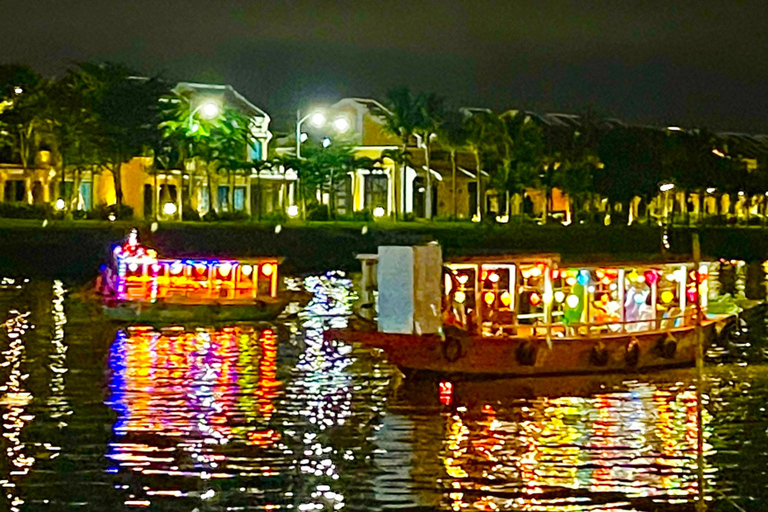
{"x": 452, "y": 350}
{"x": 632, "y": 354}
{"x": 669, "y": 347}
{"x": 526, "y": 353}
{"x": 599, "y": 355}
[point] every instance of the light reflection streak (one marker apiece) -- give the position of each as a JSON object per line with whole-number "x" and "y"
{"x": 182, "y": 395}
{"x": 542, "y": 454}
{"x": 57, "y": 401}
{"x": 13, "y": 402}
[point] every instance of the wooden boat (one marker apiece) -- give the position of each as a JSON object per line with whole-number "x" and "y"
{"x": 137, "y": 286}
{"x": 533, "y": 315}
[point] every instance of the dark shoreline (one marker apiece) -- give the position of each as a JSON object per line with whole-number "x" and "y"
{"x": 74, "y": 251}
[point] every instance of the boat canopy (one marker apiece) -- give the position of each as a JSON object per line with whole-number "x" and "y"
{"x": 136, "y": 273}
{"x": 538, "y": 296}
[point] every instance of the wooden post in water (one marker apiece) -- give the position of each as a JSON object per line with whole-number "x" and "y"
{"x": 700, "y": 504}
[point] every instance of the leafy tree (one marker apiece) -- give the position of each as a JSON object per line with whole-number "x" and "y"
{"x": 326, "y": 169}
{"x": 74, "y": 130}
{"x": 128, "y": 112}
{"x": 22, "y": 120}
{"x": 632, "y": 166}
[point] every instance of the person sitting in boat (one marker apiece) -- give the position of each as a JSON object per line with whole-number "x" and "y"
{"x": 637, "y": 307}
{"x": 454, "y": 311}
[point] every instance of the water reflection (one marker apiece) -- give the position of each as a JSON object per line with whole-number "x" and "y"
{"x": 271, "y": 417}
{"x": 182, "y": 395}
{"x": 612, "y": 450}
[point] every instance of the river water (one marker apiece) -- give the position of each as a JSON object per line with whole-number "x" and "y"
{"x": 269, "y": 417}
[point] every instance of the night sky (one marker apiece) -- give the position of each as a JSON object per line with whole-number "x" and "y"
{"x": 689, "y": 63}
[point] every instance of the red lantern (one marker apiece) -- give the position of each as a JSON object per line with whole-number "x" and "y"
{"x": 691, "y": 293}
{"x": 535, "y": 299}
{"x": 651, "y": 277}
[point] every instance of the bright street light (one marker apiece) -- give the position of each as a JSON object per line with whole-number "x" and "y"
{"x": 326, "y": 142}
{"x": 169, "y": 209}
{"x": 208, "y": 110}
{"x": 341, "y": 124}
{"x": 317, "y": 119}
{"x": 667, "y": 186}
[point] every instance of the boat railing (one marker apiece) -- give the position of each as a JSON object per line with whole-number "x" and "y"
{"x": 621, "y": 327}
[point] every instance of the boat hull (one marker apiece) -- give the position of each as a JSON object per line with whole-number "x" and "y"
{"x": 470, "y": 355}
{"x": 163, "y": 313}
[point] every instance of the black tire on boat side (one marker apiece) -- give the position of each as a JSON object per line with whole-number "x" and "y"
{"x": 632, "y": 355}
{"x": 452, "y": 350}
{"x": 599, "y": 355}
{"x": 669, "y": 348}
{"x": 526, "y": 353}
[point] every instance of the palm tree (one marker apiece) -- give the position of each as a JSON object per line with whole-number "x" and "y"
{"x": 402, "y": 113}
{"x": 483, "y": 131}
{"x": 452, "y": 135}
{"x": 431, "y": 118}
{"x": 519, "y": 146}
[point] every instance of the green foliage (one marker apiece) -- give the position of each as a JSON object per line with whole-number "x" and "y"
{"x": 104, "y": 212}
{"x": 25, "y": 211}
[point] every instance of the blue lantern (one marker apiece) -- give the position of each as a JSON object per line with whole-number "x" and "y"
{"x": 583, "y": 278}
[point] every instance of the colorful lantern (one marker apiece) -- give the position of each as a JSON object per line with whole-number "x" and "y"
{"x": 651, "y": 277}
{"x": 572, "y": 301}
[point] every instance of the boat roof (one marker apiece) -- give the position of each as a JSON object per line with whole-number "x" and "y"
{"x": 230, "y": 259}
{"x": 593, "y": 261}
{"x": 504, "y": 258}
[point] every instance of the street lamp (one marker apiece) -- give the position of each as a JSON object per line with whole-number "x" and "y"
{"x": 317, "y": 119}
{"x": 341, "y": 124}
{"x": 208, "y": 110}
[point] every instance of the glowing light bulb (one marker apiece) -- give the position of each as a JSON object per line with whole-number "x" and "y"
{"x": 559, "y": 296}
{"x": 572, "y": 301}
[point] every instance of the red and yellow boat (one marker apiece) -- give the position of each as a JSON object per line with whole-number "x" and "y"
{"x": 531, "y": 315}
{"x": 139, "y": 286}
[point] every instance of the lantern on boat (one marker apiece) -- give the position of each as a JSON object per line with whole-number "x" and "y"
{"x": 267, "y": 269}
{"x": 559, "y": 296}
{"x": 651, "y": 277}
{"x": 176, "y": 268}
{"x": 572, "y": 301}
{"x": 489, "y": 298}
{"x": 583, "y": 278}
{"x": 666, "y": 297}
{"x": 506, "y": 299}
{"x": 224, "y": 270}
{"x": 535, "y": 299}
{"x": 246, "y": 270}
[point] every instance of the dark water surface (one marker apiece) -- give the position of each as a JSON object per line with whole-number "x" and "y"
{"x": 268, "y": 417}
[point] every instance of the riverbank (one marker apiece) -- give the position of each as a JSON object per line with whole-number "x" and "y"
{"x": 75, "y": 249}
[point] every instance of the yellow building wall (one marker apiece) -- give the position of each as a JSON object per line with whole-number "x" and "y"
{"x": 133, "y": 178}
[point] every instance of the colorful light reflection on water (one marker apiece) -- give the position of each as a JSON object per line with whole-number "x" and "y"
{"x": 271, "y": 417}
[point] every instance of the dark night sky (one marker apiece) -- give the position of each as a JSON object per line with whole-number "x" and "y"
{"x": 693, "y": 63}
